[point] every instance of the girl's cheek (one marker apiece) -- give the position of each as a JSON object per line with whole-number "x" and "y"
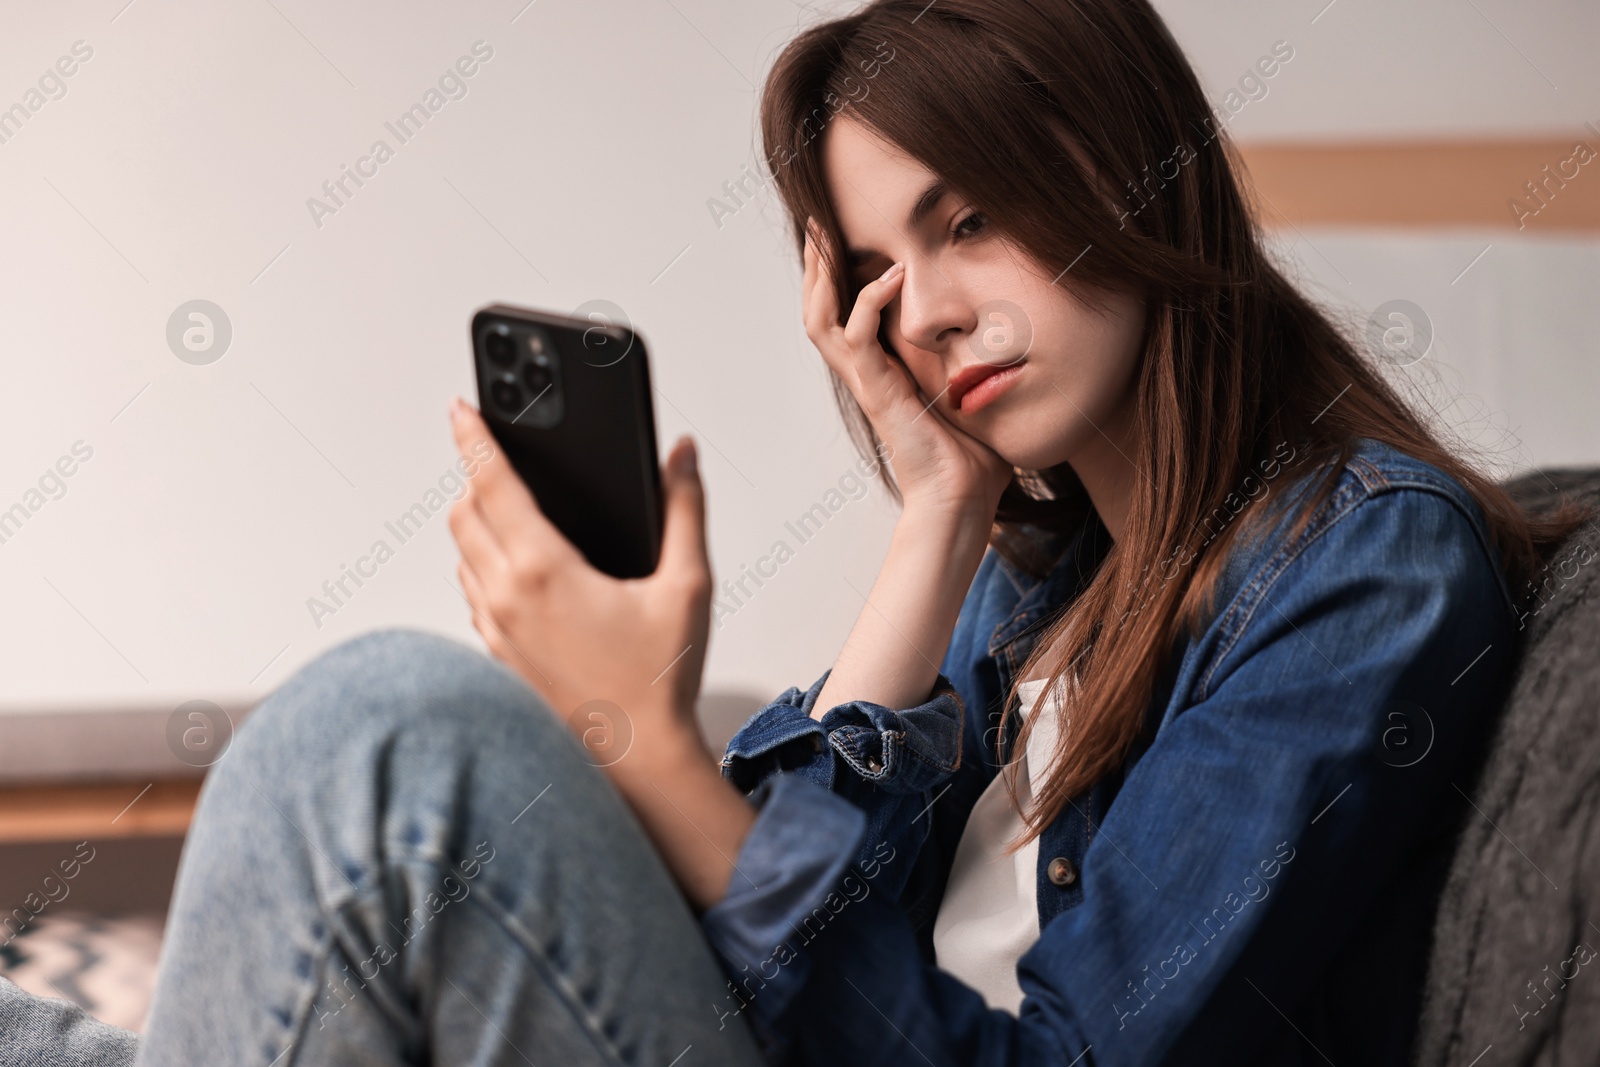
{"x": 924, "y": 370}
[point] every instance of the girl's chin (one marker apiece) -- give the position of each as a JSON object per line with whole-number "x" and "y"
{"x": 1031, "y": 455}
{"x": 1053, "y": 439}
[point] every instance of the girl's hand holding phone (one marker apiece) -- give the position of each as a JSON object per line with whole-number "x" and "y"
{"x": 577, "y": 634}
{"x": 574, "y": 633}
{"x": 937, "y": 466}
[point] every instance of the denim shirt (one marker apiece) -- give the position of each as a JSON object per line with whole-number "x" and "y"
{"x": 1257, "y": 883}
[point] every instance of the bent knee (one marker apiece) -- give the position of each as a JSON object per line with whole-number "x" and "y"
{"x": 385, "y": 680}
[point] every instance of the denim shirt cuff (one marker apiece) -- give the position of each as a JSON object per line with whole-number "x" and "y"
{"x": 907, "y": 751}
{"x": 796, "y": 852}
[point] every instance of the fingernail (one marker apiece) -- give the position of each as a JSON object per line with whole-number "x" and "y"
{"x": 455, "y": 408}
{"x": 891, "y": 272}
{"x": 683, "y": 457}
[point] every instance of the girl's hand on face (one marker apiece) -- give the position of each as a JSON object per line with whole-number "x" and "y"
{"x": 937, "y": 465}
{"x": 574, "y": 633}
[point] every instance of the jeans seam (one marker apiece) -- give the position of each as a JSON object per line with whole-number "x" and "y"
{"x": 307, "y": 1006}
{"x": 555, "y": 979}
{"x": 322, "y": 969}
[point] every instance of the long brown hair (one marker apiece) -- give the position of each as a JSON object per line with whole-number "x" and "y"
{"x": 1083, "y": 135}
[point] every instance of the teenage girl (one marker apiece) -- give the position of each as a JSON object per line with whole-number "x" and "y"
{"x": 1149, "y": 745}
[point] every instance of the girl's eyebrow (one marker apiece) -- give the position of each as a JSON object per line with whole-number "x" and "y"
{"x": 930, "y": 198}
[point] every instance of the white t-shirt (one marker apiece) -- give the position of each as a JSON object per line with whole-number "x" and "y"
{"x": 990, "y": 914}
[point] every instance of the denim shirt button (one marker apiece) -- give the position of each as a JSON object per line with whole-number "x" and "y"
{"x": 1061, "y": 872}
{"x": 873, "y": 765}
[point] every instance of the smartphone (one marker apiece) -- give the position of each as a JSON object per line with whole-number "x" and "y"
{"x": 568, "y": 400}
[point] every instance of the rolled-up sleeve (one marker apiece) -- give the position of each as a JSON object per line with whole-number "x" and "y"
{"x": 903, "y": 752}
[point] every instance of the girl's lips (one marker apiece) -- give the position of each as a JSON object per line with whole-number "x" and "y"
{"x": 988, "y": 388}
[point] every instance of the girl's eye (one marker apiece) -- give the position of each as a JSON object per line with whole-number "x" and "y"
{"x": 969, "y": 226}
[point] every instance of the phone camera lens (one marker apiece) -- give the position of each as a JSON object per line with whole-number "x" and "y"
{"x": 500, "y": 349}
{"x": 507, "y": 397}
{"x": 536, "y": 377}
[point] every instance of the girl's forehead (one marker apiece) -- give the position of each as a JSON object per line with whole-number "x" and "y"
{"x": 853, "y": 150}
{"x": 877, "y": 190}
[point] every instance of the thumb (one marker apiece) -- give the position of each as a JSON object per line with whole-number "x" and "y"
{"x": 683, "y": 539}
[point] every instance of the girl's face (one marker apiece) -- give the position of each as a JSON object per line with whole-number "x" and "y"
{"x": 1001, "y": 349}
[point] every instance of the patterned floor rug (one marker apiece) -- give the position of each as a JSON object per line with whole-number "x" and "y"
{"x": 107, "y": 966}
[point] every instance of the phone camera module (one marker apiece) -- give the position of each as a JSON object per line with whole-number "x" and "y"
{"x": 521, "y": 370}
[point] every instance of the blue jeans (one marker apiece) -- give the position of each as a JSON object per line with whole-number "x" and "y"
{"x": 405, "y": 857}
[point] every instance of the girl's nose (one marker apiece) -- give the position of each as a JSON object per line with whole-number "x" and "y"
{"x": 933, "y": 311}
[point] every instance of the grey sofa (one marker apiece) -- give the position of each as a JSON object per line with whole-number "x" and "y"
{"x": 1515, "y": 971}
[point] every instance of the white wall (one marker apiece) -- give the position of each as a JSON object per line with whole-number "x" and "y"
{"x": 578, "y": 165}
{"x": 1401, "y": 68}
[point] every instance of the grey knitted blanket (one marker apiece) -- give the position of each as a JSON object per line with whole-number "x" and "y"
{"x": 1515, "y": 971}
